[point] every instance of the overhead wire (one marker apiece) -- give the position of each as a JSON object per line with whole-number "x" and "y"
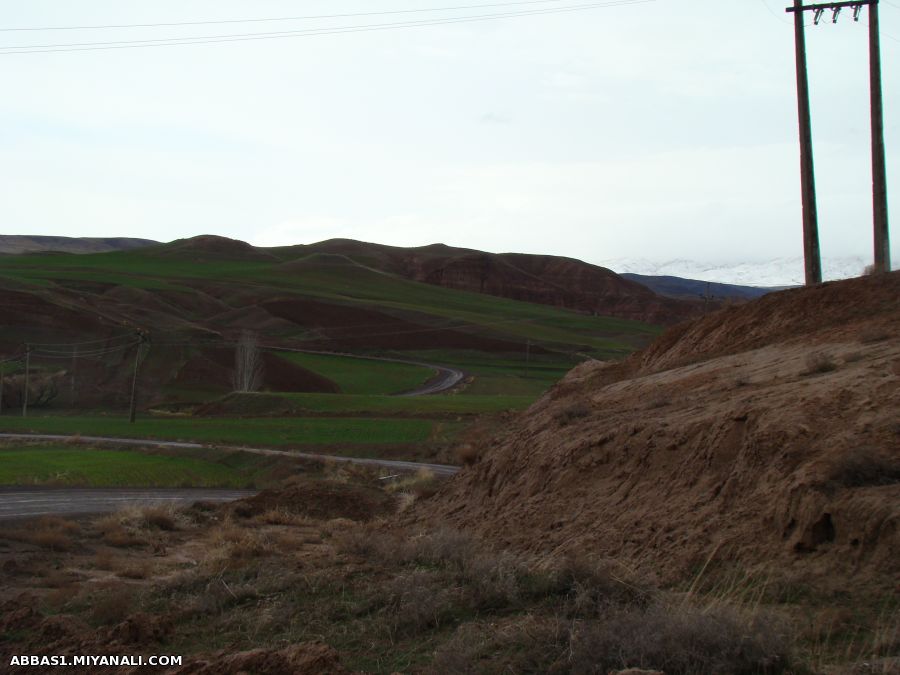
{"x": 84, "y": 342}
{"x": 310, "y": 17}
{"x": 272, "y": 35}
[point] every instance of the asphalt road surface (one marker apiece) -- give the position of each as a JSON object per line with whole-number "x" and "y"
{"x": 17, "y": 502}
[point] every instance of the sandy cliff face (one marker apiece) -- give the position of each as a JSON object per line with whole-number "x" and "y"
{"x": 767, "y": 432}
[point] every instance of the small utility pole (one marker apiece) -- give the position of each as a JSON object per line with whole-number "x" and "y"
{"x": 27, "y": 369}
{"x": 132, "y": 410}
{"x": 879, "y": 174}
{"x": 811, "y": 255}
{"x": 527, "y": 356}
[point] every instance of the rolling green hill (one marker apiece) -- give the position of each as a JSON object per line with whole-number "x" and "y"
{"x": 193, "y": 299}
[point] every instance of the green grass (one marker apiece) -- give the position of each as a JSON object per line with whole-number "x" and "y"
{"x": 276, "y": 432}
{"x": 362, "y": 376}
{"x": 348, "y": 284}
{"x": 88, "y": 467}
{"x": 412, "y": 405}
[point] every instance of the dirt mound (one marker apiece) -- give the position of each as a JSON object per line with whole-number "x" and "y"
{"x": 312, "y": 658}
{"x": 842, "y": 309}
{"x": 322, "y": 499}
{"x": 778, "y": 444}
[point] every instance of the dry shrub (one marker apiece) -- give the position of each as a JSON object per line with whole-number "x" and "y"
{"x": 350, "y": 472}
{"x": 134, "y": 569}
{"x": 416, "y": 601}
{"x": 819, "y": 362}
{"x": 364, "y": 541}
{"x": 111, "y": 603}
{"x": 681, "y": 640}
{"x": 282, "y": 516}
{"x": 572, "y": 412}
{"x": 114, "y": 533}
{"x": 161, "y": 517}
{"x": 51, "y": 532}
{"x": 233, "y": 542}
{"x": 422, "y": 484}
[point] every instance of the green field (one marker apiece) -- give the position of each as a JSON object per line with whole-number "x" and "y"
{"x": 362, "y": 376}
{"x": 89, "y": 467}
{"x": 455, "y": 404}
{"x": 364, "y": 434}
{"x": 349, "y": 284}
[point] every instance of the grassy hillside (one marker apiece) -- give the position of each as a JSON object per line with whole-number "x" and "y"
{"x": 193, "y": 299}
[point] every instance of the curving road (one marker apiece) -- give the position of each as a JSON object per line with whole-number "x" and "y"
{"x": 396, "y": 464}
{"x": 446, "y": 377}
{"x": 17, "y": 502}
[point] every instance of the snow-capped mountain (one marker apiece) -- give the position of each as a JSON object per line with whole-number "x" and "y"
{"x": 777, "y": 272}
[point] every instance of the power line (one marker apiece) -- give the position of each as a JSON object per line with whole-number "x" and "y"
{"x": 242, "y": 37}
{"x": 280, "y": 18}
{"x": 85, "y": 342}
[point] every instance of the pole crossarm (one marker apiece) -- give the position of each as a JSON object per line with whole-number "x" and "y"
{"x": 830, "y": 5}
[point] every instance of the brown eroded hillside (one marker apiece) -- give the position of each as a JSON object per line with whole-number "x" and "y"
{"x": 764, "y": 433}
{"x": 543, "y": 279}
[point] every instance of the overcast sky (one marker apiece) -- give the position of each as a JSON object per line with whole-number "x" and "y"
{"x": 657, "y": 130}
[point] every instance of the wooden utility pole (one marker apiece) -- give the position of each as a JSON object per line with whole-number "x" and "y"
{"x": 879, "y": 177}
{"x": 879, "y": 174}
{"x": 811, "y": 255}
{"x": 132, "y": 408}
{"x": 27, "y": 369}
{"x": 527, "y": 356}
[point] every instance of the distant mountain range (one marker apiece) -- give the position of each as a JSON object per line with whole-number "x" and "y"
{"x": 16, "y": 244}
{"x": 777, "y": 273}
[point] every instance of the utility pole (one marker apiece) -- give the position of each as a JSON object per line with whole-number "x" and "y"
{"x": 132, "y": 409}
{"x": 879, "y": 174}
{"x": 527, "y": 356}
{"x": 811, "y": 255}
{"x": 879, "y": 177}
{"x": 27, "y": 369}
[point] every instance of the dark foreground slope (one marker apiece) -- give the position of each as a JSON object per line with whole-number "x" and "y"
{"x": 761, "y": 435}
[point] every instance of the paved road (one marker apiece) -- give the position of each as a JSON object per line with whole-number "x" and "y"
{"x": 446, "y": 377}
{"x": 16, "y": 502}
{"x": 395, "y": 464}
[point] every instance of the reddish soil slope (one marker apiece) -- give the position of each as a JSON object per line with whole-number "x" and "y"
{"x": 767, "y": 432}
{"x": 548, "y": 280}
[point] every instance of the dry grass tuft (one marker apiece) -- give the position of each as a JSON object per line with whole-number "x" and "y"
{"x": 160, "y": 517}
{"x": 282, "y": 516}
{"x": 50, "y": 532}
{"x": 570, "y": 413}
